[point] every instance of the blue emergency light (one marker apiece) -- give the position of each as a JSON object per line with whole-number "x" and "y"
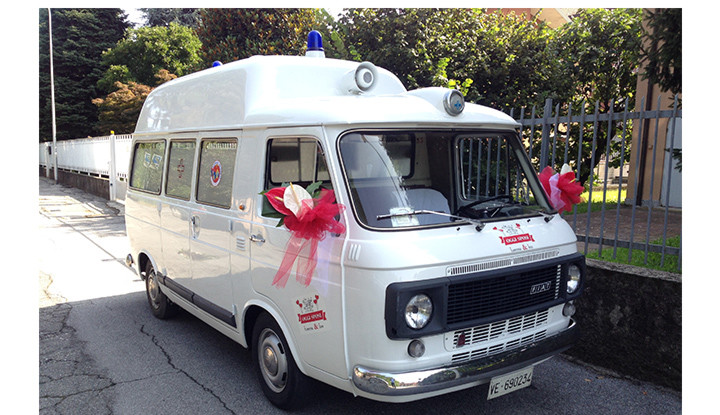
{"x": 314, "y": 45}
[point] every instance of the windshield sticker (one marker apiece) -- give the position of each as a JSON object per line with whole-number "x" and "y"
{"x": 515, "y": 238}
{"x": 215, "y": 173}
{"x": 311, "y": 316}
{"x": 401, "y": 217}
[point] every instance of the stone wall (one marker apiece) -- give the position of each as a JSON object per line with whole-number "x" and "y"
{"x": 98, "y": 186}
{"x": 631, "y": 322}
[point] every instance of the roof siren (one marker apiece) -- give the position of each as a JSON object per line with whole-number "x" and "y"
{"x": 314, "y": 45}
{"x": 360, "y": 80}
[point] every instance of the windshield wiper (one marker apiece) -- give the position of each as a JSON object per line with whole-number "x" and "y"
{"x": 546, "y": 215}
{"x": 479, "y": 224}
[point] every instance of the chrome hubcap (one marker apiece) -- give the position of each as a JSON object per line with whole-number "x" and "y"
{"x": 153, "y": 289}
{"x": 273, "y": 361}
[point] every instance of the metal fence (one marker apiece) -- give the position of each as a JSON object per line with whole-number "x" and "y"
{"x": 618, "y": 153}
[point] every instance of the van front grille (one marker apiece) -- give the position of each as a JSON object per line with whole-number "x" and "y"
{"x": 498, "y": 348}
{"x": 496, "y": 330}
{"x": 496, "y": 295}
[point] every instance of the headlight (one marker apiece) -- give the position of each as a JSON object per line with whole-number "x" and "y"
{"x": 418, "y": 311}
{"x": 573, "y": 282}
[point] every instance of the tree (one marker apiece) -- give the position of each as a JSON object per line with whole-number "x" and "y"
{"x": 488, "y": 55}
{"x": 163, "y": 17}
{"x": 598, "y": 57}
{"x": 598, "y": 54}
{"x": 231, "y": 34}
{"x": 119, "y": 111}
{"x": 79, "y": 38}
{"x": 663, "y": 55}
{"x": 144, "y": 51}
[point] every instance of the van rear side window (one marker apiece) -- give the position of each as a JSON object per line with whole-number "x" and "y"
{"x": 147, "y": 167}
{"x": 179, "y": 174}
{"x": 215, "y": 175}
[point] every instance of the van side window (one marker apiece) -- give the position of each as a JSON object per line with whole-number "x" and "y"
{"x": 297, "y": 160}
{"x": 179, "y": 171}
{"x": 147, "y": 167}
{"x": 216, "y": 171}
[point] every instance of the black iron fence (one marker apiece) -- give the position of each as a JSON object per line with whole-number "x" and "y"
{"x": 630, "y": 165}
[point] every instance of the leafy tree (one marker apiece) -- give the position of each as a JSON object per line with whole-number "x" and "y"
{"x": 598, "y": 54}
{"x": 487, "y": 55}
{"x": 663, "y": 55}
{"x": 231, "y": 34}
{"x": 597, "y": 58}
{"x": 119, "y": 111}
{"x": 146, "y": 50}
{"x": 79, "y": 38}
{"x": 163, "y": 17}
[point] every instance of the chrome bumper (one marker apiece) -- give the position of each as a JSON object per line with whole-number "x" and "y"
{"x": 417, "y": 382}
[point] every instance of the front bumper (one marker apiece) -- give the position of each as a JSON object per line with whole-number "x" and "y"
{"x": 430, "y": 380}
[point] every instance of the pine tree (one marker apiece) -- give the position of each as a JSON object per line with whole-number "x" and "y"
{"x": 79, "y": 38}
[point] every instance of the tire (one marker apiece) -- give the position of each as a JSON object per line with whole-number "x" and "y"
{"x": 160, "y": 305}
{"x": 284, "y": 385}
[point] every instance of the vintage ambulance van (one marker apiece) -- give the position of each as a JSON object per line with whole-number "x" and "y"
{"x": 394, "y": 244}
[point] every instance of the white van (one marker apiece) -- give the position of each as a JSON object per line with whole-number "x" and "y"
{"x": 443, "y": 267}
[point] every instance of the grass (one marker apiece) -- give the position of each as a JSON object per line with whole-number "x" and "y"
{"x": 611, "y": 200}
{"x": 670, "y": 263}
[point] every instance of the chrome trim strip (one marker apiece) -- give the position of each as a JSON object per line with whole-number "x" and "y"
{"x": 429, "y": 380}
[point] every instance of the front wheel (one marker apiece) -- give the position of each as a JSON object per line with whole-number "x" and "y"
{"x": 281, "y": 381}
{"x": 160, "y": 305}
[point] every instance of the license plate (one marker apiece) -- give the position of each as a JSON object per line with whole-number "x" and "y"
{"x": 510, "y": 382}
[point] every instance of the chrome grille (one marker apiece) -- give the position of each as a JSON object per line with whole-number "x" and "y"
{"x": 498, "y": 348}
{"x": 492, "y": 331}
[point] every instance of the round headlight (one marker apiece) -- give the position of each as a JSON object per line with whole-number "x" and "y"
{"x": 418, "y": 311}
{"x": 574, "y": 275}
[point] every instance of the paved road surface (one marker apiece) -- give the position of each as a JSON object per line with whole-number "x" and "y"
{"x": 102, "y": 352}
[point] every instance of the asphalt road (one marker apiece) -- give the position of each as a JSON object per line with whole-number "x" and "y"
{"x": 102, "y": 352}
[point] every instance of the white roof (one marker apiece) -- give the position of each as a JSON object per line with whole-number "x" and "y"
{"x": 295, "y": 90}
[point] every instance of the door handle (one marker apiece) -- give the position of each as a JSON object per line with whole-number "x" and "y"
{"x": 193, "y": 225}
{"x": 257, "y": 238}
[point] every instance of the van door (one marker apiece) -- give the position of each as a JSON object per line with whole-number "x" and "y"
{"x": 142, "y": 205}
{"x": 313, "y": 313}
{"x": 210, "y": 228}
{"x": 176, "y": 211}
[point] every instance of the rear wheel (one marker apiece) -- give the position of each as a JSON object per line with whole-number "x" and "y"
{"x": 282, "y": 382}
{"x": 160, "y": 305}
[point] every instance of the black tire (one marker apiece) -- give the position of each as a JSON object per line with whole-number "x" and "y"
{"x": 160, "y": 305}
{"x": 284, "y": 385}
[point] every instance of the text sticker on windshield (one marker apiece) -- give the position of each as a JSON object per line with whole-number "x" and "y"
{"x": 401, "y": 217}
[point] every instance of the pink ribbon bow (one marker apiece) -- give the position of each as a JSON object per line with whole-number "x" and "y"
{"x": 314, "y": 219}
{"x": 563, "y": 190}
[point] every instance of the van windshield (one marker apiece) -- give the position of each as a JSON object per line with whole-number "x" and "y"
{"x": 434, "y": 178}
